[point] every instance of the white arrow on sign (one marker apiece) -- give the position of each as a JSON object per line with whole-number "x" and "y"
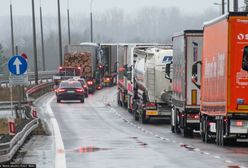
{"x": 17, "y": 63}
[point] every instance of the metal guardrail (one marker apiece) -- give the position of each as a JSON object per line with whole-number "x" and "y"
{"x": 8, "y": 150}
{"x": 44, "y": 87}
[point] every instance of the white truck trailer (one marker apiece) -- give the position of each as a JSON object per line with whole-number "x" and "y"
{"x": 150, "y": 85}
{"x": 187, "y": 49}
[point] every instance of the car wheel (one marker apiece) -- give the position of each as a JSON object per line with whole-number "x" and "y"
{"x": 86, "y": 95}
{"x": 58, "y": 101}
{"x": 82, "y": 101}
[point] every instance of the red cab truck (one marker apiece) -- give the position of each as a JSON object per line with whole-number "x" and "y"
{"x": 224, "y": 79}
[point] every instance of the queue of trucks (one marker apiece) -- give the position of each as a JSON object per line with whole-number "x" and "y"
{"x": 203, "y": 88}
{"x": 199, "y": 82}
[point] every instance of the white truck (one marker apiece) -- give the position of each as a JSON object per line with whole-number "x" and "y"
{"x": 187, "y": 49}
{"x": 151, "y": 90}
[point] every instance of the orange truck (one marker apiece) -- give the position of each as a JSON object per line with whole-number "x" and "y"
{"x": 224, "y": 79}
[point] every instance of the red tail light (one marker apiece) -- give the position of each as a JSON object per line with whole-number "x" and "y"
{"x": 90, "y": 82}
{"x": 60, "y": 90}
{"x": 193, "y": 116}
{"x": 151, "y": 105}
{"x": 107, "y": 79}
{"x": 239, "y": 123}
{"x": 79, "y": 90}
{"x": 85, "y": 86}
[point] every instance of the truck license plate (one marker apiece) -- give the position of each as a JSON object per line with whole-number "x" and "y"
{"x": 151, "y": 113}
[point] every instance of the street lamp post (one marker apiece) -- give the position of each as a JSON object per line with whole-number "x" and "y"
{"x": 235, "y": 5}
{"x": 223, "y": 7}
{"x": 34, "y": 44}
{"x": 42, "y": 40}
{"x": 60, "y": 39}
{"x": 12, "y": 29}
{"x": 68, "y": 22}
{"x": 91, "y": 22}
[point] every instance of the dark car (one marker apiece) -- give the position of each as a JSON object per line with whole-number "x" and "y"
{"x": 84, "y": 84}
{"x": 70, "y": 90}
{"x": 91, "y": 83}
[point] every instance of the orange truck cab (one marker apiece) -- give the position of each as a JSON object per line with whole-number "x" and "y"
{"x": 224, "y": 79}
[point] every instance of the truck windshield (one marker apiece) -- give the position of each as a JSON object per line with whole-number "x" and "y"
{"x": 245, "y": 59}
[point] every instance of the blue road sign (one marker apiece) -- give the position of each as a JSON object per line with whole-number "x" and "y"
{"x": 17, "y": 65}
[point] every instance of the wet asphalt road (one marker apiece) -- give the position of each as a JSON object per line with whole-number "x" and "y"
{"x": 98, "y": 133}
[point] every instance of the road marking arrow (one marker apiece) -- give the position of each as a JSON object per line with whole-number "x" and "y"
{"x": 17, "y": 63}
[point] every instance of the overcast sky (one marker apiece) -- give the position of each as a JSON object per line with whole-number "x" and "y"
{"x": 23, "y": 7}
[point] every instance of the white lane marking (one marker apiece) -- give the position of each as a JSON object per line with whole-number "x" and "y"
{"x": 217, "y": 157}
{"x": 59, "y": 145}
{"x": 228, "y": 161}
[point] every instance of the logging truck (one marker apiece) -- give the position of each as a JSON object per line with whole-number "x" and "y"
{"x": 81, "y": 61}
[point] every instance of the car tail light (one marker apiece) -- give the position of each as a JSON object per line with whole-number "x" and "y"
{"x": 60, "y": 90}
{"x": 107, "y": 79}
{"x": 60, "y": 68}
{"x": 90, "y": 82}
{"x": 98, "y": 87}
{"x": 85, "y": 86}
{"x": 79, "y": 90}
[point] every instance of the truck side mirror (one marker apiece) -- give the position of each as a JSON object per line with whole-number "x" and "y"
{"x": 129, "y": 73}
{"x": 195, "y": 74}
{"x": 168, "y": 71}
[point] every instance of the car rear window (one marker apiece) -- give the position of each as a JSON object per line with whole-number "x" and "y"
{"x": 70, "y": 84}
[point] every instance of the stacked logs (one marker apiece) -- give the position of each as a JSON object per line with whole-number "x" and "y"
{"x": 79, "y": 59}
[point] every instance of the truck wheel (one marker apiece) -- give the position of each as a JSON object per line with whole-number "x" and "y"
{"x": 172, "y": 129}
{"x": 135, "y": 115}
{"x": 187, "y": 132}
{"x": 177, "y": 129}
{"x": 142, "y": 119}
{"x": 206, "y": 131}
{"x": 202, "y": 130}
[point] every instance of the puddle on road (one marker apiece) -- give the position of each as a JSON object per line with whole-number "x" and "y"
{"x": 141, "y": 143}
{"x": 90, "y": 149}
{"x": 187, "y": 147}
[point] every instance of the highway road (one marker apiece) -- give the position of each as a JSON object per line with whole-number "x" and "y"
{"x": 100, "y": 134}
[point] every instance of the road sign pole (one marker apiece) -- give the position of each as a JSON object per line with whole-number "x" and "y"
{"x": 11, "y": 101}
